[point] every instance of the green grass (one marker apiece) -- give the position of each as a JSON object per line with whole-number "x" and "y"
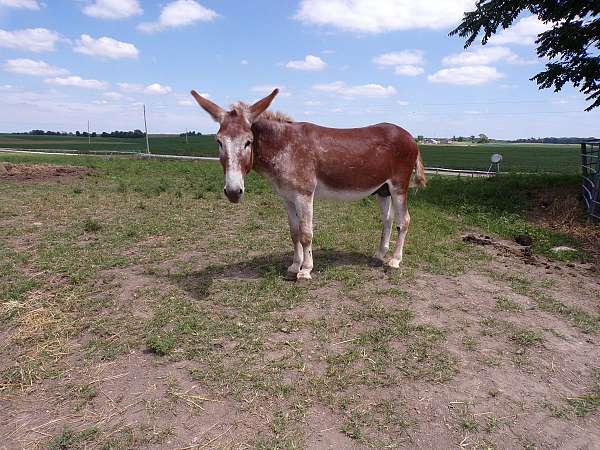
{"x": 208, "y": 291}
{"x": 70, "y": 439}
{"x": 554, "y": 158}
{"x": 527, "y": 338}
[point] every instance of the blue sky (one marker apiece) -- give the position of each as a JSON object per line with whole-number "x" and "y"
{"x": 339, "y": 63}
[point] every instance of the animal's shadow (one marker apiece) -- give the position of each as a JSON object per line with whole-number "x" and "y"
{"x": 197, "y": 283}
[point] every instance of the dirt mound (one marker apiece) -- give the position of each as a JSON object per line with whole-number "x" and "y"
{"x": 561, "y": 209}
{"x": 40, "y": 172}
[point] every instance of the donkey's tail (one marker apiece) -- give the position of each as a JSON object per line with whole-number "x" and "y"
{"x": 419, "y": 180}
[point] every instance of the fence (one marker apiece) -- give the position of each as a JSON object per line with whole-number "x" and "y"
{"x": 590, "y": 169}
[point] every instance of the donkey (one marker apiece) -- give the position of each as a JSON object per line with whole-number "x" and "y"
{"x": 303, "y": 161}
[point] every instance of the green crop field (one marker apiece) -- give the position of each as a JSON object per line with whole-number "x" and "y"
{"x": 160, "y": 144}
{"x": 557, "y": 158}
{"x": 517, "y": 157}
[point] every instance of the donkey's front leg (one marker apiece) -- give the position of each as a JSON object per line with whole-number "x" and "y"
{"x": 294, "y": 222}
{"x": 304, "y": 210}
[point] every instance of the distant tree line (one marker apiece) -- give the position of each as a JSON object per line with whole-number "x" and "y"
{"x": 556, "y": 140}
{"x": 113, "y": 134}
{"x": 50, "y": 133}
{"x": 123, "y": 134}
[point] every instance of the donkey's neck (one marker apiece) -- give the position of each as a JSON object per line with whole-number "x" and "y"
{"x": 270, "y": 138}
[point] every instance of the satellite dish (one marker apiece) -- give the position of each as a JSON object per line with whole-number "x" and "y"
{"x": 496, "y": 158}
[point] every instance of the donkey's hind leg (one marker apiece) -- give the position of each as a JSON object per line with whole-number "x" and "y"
{"x": 399, "y": 198}
{"x": 387, "y": 219}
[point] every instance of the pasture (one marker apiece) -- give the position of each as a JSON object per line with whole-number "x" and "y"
{"x": 552, "y": 158}
{"x": 139, "y": 309}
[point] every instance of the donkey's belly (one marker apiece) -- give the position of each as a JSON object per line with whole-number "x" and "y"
{"x": 329, "y": 193}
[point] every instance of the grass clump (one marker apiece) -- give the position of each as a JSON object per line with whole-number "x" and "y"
{"x": 527, "y": 338}
{"x": 71, "y": 440}
{"x": 160, "y": 344}
{"x": 91, "y": 225}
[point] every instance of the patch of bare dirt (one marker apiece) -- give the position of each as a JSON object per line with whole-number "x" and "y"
{"x": 562, "y": 209}
{"x": 41, "y": 172}
{"x": 503, "y": 393}
{"x": 137, "y": 400}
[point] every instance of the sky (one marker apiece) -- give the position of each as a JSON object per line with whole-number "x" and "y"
{"x": 339, "y": 63}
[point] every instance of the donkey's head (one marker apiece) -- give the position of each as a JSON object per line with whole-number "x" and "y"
{"x": 235, "y": 140}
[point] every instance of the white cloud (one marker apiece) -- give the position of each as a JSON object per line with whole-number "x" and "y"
{"x": 22, "y": 4}
{"x": 309, "y": 63}
{"x": 105, "y": 47}
{"x": 467, "y": 75}
{"x": 244, "y": 62}
{"x": 408, "y": 62}
{"x": 524, "y": 32}
{"x": 402, "y": 58}
{"x": 376, "y": 16}
{"x": 364, "y": 90}
{"x": 312, "y": 103}
{"x": 30, "y": 67}
{"x": 266, "y": 89}
{"x": 403, "y": 103}
{"x": 409, "y": 71}
{"x": 151, "y": 89}
{"x": 113, "y": 9}
{"x": 157, "y": 89}
{"x": 31, "y": 39}
{"x": 483, "y": 56}
{"x": 115, "y": 96}
{"x": 179, "y": 13}
{"x": 76, "y": 81}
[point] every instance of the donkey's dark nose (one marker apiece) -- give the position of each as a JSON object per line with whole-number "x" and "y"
{"x": 234, "y": 195}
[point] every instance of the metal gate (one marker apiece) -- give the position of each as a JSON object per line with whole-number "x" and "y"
{"x": 590, "y": 169}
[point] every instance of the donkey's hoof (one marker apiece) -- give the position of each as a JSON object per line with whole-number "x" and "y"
{"x": 394, "y": 263}
{"x": 376, "y": 262}
{"x": 304, "y": 276}
{"x": 291, "y": 276}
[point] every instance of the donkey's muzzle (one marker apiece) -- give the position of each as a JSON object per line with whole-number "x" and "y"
{"x": 234, "y": 195}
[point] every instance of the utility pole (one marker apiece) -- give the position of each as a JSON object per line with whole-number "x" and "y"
{"x": 89, "y": 135}
{"x": 146, "y": 129}
{"x": 186, "y": 136}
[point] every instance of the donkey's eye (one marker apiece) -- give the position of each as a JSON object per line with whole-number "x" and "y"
{"x": 248, "y": 143}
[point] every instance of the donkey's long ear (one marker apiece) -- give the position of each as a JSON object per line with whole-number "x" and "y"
{"x": 215, "y": 111}
{"x": 260, "y": 106}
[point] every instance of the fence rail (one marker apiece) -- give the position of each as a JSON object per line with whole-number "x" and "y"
{"x": 590, "y": 170}
{"x": 468, "y": 173}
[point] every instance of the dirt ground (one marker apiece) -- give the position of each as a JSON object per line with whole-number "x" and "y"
{"x": 560, "y": 210}
{"x": 205, "y": 350}
{"x": 503, "y": 394}
{"x": 41, "y": 172}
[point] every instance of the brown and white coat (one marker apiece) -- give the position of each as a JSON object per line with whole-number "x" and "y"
{"x": 303, "y": 161}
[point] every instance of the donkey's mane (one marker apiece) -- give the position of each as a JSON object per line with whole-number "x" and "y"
{"x": 243, "y": 109}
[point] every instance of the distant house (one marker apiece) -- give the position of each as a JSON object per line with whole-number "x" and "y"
{"x": 431, "y": 141}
